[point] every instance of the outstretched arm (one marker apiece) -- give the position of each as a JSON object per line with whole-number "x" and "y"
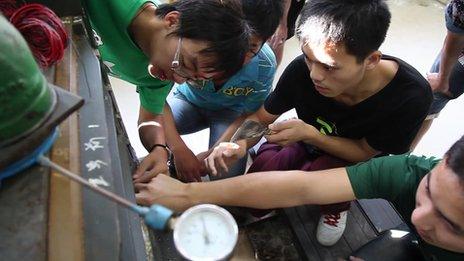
{"x": 263, "y": 190}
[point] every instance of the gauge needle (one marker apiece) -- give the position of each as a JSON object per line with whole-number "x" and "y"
{"x": 205, "y": 233}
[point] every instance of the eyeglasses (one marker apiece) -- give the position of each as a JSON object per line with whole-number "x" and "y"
{"x": 180, "y": 70}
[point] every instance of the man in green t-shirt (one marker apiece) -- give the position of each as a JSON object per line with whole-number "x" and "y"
{"x": 153, "y": 45}
{"x": 428, "y": 193}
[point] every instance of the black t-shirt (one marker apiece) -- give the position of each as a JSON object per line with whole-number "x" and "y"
{"x": 389, "y": 119}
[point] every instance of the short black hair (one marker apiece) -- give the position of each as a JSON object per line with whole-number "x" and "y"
{"x": 263, "y": 16}
{"x": 361, "y": 25}
{"x": 220, "y": 23}
{"x": 454, "y": 158}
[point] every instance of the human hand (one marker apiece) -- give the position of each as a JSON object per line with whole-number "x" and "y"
{"x": 153, "y": 164}
{"x": 203, "y": 155}
{"x": 290, "y": 131}
{"x": 438, "y": 85}
{"x": 279, "y": 37}
{"x": 165, "y": 191}
{"x": 188, "y": 167}
{"x": 223, "y": 156}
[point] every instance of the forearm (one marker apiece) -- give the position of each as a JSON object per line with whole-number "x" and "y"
{"x": 347, "y": 149}
{"x": 173, "y": 138}
{"x": 452, "y": 49}
{"x": 150, "y": 129}
{"x": 276, "y": 189}
{"x": 261, "y": 116}
{"x": 227, "y": 135}
{"x": 286, "y": 8}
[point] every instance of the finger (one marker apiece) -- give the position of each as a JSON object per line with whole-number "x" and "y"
{"x": 141, "y": 169}
{"x": 209, "y": 163}
{"x": 222, "y": 164}
{"x": 279, "y": 126}
{"x": 146, "y": 177}
{"x": 275, "y": 138}
{"x": 197, "y": 175}
{"x": 230, "y": 152}
{"x": 189, "y": 177}
{"x": 140, "y": 186}
{"x": 141, "y": 199}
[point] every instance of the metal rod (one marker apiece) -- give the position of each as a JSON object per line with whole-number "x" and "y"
{"x": 44, "y": 161}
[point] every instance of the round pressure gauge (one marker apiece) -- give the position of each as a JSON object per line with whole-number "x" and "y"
{"x": 205, "y": 232}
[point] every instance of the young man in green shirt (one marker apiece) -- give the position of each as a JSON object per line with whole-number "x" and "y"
{"x": 153, "y": 45}
{"x": 428, "y": 193}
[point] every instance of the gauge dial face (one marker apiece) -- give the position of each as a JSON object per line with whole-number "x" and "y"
{"x": 205, "y": 232}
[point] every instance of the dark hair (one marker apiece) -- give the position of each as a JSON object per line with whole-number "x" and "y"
{"x": 263, "y": 16}
{"x": 455, "y": 158}
{"x": 361, "y": 25}
{"x": 220, "y": 23}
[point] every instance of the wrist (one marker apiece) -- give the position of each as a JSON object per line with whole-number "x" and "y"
{"x": 311, "y": 135}
{"x": 191, "y": 193}
{"x": 158, "y": 148}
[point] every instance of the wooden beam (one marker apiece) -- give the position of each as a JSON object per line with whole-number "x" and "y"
{"x": 65, "y": 237}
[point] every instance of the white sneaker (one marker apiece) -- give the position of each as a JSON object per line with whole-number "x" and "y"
{"x": 330, "y": 228}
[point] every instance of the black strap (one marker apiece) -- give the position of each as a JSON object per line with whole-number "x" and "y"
{"x": 159, "y": 145}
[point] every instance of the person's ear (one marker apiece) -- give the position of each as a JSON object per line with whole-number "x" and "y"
{"x": 372, "y": 60}
{"x": 171, "y": 19}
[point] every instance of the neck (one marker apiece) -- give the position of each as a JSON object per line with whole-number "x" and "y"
{"x": 145, "y": 28}
{"x": 371, "y": 83}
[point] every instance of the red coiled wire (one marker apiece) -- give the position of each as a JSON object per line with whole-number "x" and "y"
{"x": 7, "y": 7}
{"x": 42, "y": 29}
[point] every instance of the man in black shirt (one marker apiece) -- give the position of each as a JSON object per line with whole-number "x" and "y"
{"x": 352, "y": 102}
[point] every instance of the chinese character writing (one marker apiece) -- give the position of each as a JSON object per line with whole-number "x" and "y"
{"x": 99, "y": 182}
{"x": 93, "y": 144}
{"x": 94, "y": 164}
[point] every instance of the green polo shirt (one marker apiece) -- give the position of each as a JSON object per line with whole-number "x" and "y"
{"x": 110, "y": 20}
{"x": 396, "y": 178}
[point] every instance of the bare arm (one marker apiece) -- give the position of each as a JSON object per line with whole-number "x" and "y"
{"x": 286, "y": 8}
{"x": 295, "y": 130}
{"x": 261, "y": 116}
{"x": 220, "y": 157}
{"x": 264, "y": 190}
{"x": 451, "y": 51}
{"x": 280, "y": 35}
{"x": 151, "y": 132}
{"x": 188, "y": 167}
{"x": 344, "y": 148}
{"x": 173, "y": 138}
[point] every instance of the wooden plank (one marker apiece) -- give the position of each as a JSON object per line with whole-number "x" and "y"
{"x": 358, "y": 231}
{"x": 65, "y": 236}
{"x": 380, "y": 213}
{"x": 310, "y": 217}
{"x": 366, "y": 225}
{"x": 307, "y": 245}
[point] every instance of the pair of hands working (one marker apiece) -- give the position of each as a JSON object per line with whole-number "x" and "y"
{"x": 161, "y": 189}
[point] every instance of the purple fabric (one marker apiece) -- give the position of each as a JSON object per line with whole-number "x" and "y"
{"x": 295, "y": 157}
